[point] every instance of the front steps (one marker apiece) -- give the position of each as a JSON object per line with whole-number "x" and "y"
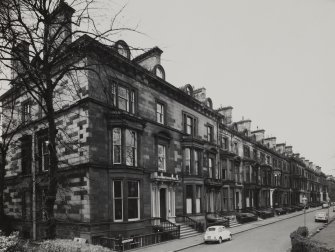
{"x": 233, "y": 223}
{"x": 186, "y": 231}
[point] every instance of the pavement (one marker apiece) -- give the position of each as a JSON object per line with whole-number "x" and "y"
{"x": 181, "y": 244}
{"x": 326, "y": 235}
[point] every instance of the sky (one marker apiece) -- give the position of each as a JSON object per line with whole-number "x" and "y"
{"x": 273, "y": 61}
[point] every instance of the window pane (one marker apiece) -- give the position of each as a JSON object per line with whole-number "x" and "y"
{"x": 132, "y": 208}
{"x": 117, "y": 189}
{"x": 132, "y": 189}
{"x": 196, "y": 163}
{"x": 118, "y": 209}
{"x": 123, "y": 95}
{"x": 131, "y": 145}
{"x": 188, "y": 160}
{"x": 189, "y": 125}
{"x": 189, "y": 191}
{"x": 160, "y": 113}
{"x": 161, "y": 157}
{"x": 116, "y": 145}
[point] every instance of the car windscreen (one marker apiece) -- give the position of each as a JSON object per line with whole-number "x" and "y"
{"x": 211, "y": 229}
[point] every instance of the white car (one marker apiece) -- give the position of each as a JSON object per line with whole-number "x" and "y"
{"x": 325, "y": 205}
{"x": 321, "y": 216}
{"x": 217, "y": 234}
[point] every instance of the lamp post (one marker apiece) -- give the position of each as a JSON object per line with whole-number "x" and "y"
{"x": 304, "y": 201}
{"x": 328, "y": 199}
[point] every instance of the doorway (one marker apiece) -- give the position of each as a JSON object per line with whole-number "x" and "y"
{"x": 162, "y": 199}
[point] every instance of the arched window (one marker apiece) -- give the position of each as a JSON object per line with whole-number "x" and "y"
{"x": 159, "y": 71}
{"x": 209, "y": 102}
{"x": 122, "y": 48}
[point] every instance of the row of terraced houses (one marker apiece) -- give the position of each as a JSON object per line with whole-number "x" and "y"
{"x": 146, "y": 148}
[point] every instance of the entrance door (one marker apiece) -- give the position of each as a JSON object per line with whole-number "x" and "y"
{"x": 237, "y": 200}
{"x": 162, "y": 199}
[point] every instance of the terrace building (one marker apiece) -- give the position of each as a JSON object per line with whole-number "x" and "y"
{"x": 144, "y": 150}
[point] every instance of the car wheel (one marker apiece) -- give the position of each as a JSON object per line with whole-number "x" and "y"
{"x": 230, "y": 237}
{"x": 220, "y": 240}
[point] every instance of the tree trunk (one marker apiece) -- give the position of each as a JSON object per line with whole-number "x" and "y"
{"x": 3, "y": 155}
{"x": 2, "y": 186}
{"x": 53, "y": 168}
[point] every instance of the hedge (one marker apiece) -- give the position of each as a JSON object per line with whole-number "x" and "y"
{"x": 301, "y": 243}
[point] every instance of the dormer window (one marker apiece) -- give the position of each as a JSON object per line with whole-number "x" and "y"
{"x": 209, "y": 103}
{"x": 122, "y": 48}
{"x": 159, "y": 71}
{"x": 188, "y": 91}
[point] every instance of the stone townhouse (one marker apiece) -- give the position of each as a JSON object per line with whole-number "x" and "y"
{"x": 133, "y": 147}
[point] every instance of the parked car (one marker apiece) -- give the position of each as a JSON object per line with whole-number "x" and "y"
{"x": 216, "y": 219}
{"x": 321, "y": 216}
{"x": 314, "y": 204}
{"x": 217, "y": 234}
{"x": 334, "y": 209}
{"x": 280, "y": 211}
{"x": 246, "y": 217}
{"x": 289, "y": 209}
{"x": 298, "y": 207}
{"x": 265, "y": 213}
{"x": 325, "y": 205}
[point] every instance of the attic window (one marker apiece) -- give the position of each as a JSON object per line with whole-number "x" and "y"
{"x": 122, "y": 48}
{"x": 188, "y": 90}
{"x": 159, "y": 72}
{"x": 209, "y": 103}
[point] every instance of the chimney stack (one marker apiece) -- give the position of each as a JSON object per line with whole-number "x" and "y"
{"x": 227, "y": 113}
{"x": 244, "y": 126}
{"x": 62, "y": 25}
{"x": 270, "y": 142}
{"x": 259, "y": 134}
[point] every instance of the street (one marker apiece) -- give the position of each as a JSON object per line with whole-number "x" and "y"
{"x": 273, "y": 237}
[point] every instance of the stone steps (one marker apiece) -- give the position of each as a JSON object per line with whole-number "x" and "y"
{"x": 186, "y": 231}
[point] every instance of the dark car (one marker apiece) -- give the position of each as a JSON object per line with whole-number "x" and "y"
{"x": 280, "y": 211}
{"x": 289, "y": 209}
{"x": 246, "y": 217}
{"x": 265, "y": 213}
{"x": 298, "y": 207}
{"x": 216, "y": 219}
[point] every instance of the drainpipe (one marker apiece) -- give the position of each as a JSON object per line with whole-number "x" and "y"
{"x": 33, "y": 174}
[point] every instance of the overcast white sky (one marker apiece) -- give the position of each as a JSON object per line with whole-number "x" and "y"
{"x": 273, "y": 61}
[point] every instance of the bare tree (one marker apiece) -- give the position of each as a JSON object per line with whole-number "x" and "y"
{"x": 36, "y": 44}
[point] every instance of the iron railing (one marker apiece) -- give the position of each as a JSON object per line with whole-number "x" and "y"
{"x": 197, "y": 225}
{"x": 162, "y": 230}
